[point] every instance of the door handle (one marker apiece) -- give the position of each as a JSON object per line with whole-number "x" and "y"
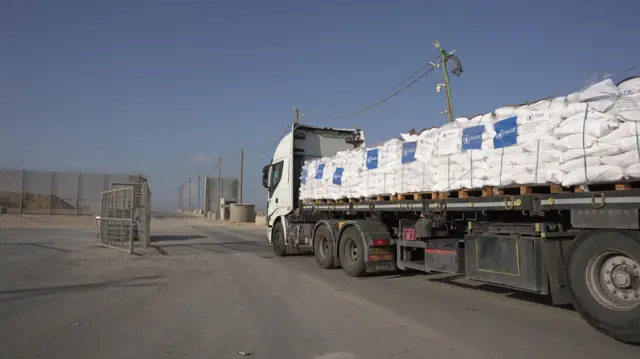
{"x": 276, "y": 200}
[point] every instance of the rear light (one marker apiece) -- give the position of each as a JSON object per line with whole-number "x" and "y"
{"x": 380, "y": 242}
{"x": 409, "y": 234}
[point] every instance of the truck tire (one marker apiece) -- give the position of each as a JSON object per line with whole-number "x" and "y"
{"x": 277, "y": 240}
{"x": 603, "y": 272}
{"x": 352, "y": 253}
{"x": 323, "y": 248}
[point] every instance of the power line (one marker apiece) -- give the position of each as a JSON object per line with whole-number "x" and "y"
{"x": 287, "y": 129}
{"x": 412, "y": 75}
{"x": 380, "y": 102}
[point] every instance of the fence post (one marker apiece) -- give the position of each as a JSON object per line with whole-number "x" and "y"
{"x": 51, "y": 182}
{"x": 21, "y": 190}
{"x": 78, "y": 194}
{"x": 131, "y": 218}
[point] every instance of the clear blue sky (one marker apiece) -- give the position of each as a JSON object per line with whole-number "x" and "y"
{"x": 164, "y": 87}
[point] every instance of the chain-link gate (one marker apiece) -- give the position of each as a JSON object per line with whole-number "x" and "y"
{"x": 117, "y": 219}
{"x": 125, "y": 217}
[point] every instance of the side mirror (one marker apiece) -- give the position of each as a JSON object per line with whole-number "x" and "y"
{"x": 265, "y": 176}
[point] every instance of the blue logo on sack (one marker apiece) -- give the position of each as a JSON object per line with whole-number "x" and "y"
{"x": 409, "y": 152}
{"x": 506, "y": 132}
{"x": 319, "y": 171}
{"x": 472, "y": 138}
{"x": 372, "y": 159}
{"x": 303, "y": 178}
{"x": 337, "y": 176}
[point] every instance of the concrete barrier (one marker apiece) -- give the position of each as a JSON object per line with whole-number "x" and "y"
{"x": 261, "y": 221}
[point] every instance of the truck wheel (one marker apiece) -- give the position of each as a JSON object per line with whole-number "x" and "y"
{"x": 352, "y": 253}
{"x": 603, "y": 274}
{"x": 323, "y": 248}
{"x": 277, "y": 240}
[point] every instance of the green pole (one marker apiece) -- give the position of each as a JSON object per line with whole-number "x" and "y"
{"x": 444, "y": 55}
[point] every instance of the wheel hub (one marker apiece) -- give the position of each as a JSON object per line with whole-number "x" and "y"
{"x": 354, "y": 252}
{"x": 614, "y": 280}
{"x": 621, "y": 279}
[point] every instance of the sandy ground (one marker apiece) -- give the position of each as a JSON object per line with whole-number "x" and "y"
{"x": 207, "y": 290}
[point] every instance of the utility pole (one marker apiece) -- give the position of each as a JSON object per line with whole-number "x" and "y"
{"x": 241, "y": 174}
{"x": 189, "y": 200}
{"x": 198, "y": 206}
{"x": 180, "y": 198}
{"x": 298, "y": 115}
{"x": 444, "y": 57}
{"x": 219, "y": 188}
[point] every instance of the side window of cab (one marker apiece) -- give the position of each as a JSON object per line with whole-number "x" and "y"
{"x": 276, "y": 176}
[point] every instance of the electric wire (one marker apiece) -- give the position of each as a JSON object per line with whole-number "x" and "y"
{"x": 380, "y": 102}
{"x": 287, "y": 129}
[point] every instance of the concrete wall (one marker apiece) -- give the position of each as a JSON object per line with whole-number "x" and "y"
{"x": 38, "y": 192}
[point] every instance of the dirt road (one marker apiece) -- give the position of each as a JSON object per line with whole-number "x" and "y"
{"x": 213, "y": 291}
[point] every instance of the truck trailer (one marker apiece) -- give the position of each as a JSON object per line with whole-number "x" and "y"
{"x": 581, "y": 245}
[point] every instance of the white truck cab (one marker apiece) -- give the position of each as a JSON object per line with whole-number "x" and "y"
{"x": 282, "y": 176}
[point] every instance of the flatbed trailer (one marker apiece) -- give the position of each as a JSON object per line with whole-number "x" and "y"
{"x": 579, "y": 246}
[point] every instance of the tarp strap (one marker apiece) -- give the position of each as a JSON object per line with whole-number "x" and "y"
{"x": 501, "y": 159}
{"x": 584, "y": 149}
{"x": 471, "y": 166}
{"x": 535, "y": 179}
{"x": 637, "y": 142}
{"x": 402, "y": 180}
{"x": 448, "y": 172}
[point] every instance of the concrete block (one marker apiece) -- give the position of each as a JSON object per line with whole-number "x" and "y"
{"x": 261, "y": 221}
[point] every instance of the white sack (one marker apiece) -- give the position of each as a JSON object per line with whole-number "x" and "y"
{"x": 633, "y": 172}
{"x": 602, "y": 173}
{"x": 627, "y": 107}
{"x": 596, "y": 124}
{"x": 625, "y": 159}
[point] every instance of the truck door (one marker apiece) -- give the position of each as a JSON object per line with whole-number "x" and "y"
{"x": 279, "y": 194}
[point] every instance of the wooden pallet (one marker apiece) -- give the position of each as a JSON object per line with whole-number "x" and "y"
{"x": 382, "y": 197}
{"x": 467, "y": 193}
{"x": 613, "y": 186}
{"x": 416, "y": 196}
{"x": 529, "y": 189}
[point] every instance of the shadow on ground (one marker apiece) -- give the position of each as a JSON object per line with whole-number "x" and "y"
{"x": 511, "y": 293}
{"x": 167, "y": 238}
{"x": 27, "y": 293}
{"x": 214, "y": 247}
{"x": 457, "y": 280}
{"x": 38, "y": 245}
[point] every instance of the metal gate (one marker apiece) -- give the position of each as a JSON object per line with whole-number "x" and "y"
{"x": 125, "y": 216}
{"x": 116, "y": 222}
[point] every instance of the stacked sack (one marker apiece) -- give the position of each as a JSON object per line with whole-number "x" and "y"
{"x": 334, "y": 177}
{"x": 392, "y": 168}
{"x": 625, "y": 137}
{"x": 586, "y": 137}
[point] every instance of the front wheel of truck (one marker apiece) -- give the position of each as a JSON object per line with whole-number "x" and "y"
{"x": 277, "y": 240}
